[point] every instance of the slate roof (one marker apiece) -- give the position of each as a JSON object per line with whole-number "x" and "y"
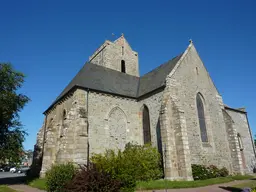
{"x": 156, "y": 78}
{"x": 241, "y": 110}
{"x": 99, "y": 78}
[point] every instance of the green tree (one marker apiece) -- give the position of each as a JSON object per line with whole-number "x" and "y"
{"x": 12, "y": 133}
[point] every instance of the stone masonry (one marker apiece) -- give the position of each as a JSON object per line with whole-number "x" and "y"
{"x": 86, "y": 120}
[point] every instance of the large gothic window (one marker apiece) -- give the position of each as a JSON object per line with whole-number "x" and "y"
{"x": 146, "y": 125}
{"x": 201, "y": 117}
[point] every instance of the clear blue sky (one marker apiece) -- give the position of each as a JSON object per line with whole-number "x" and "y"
{"x": 51, "y": 40}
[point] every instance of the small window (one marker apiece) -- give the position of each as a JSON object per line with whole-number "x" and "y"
{"x": 240, "y": 142}
{"x": 197, "y": 71}
{"x": 122, "y": 50}
{"x": 123, "y": 66}
{"x": 50, "y": 122}
{"x": 64, "y": 115}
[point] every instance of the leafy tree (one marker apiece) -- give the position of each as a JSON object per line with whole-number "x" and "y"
{"x": 29, "y": 153}
{"x": 12, "y": 133}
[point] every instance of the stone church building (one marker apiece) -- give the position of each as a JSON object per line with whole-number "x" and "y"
{"x": 176, "y": 107}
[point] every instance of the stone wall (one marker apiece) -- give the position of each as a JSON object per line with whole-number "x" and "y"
{"x": 66, "y": 131}
{"x": 187, "y": 80}
{"x": 111, "y": 54}
{"x": 176, "y": 154}
{"x": 153, "y": 102}
{"x": 113, "y": 122}
{"x": 236, "y": 158}
{"x": 241, "y": 127}
{"x": 38, "y": 153}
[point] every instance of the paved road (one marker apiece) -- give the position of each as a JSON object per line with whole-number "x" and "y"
{"x": 16, "y": 181}
{"x": 8, "y": 175}
{"x": 7, "y": 178}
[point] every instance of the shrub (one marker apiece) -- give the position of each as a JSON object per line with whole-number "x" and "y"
{"x": 223, "y": 172}
{"x": 90, "y": 179}
{"x": 135, "y": 163}
{"x": 201, "y": 172}
{"x": 142, "y": 162}
{"x": 213, "y": 171}
{"x": 58, "y": 176}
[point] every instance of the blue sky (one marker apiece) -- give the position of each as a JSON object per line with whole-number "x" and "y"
{"x": 51, "y": 40}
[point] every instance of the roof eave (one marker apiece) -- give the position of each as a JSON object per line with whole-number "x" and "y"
{"x": 236, "y": 110}
{"x": 85, "y": 88}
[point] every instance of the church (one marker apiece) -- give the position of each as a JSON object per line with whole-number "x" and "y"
{"x": 175, "y": 107}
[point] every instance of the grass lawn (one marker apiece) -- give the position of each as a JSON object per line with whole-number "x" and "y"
{"x": 38, "y": 183}
{"x": 162, "y": 184}
{"x": 4, "y": 188}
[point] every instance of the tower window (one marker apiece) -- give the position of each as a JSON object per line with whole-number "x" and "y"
{"x": 123, "y": 66}
{"x": 64, "y": 114}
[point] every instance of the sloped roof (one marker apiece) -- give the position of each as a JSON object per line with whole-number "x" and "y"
{"x": 99, "y": 78}
{"x": 240, "y": 110}
{"x": 156, "y": 78}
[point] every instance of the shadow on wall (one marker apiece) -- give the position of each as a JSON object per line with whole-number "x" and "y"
{"x": 12, "y": 180}
{"x": 37, "y": 162}
{"x": 159, "y": 143}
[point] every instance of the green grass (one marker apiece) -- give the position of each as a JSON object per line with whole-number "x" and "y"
{"x": 4, "y": 188}
{"x": 38, "y": 183}
{"x": 162, "y": 184}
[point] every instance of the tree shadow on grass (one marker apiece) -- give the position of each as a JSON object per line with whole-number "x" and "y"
{"x": 232, "y": 189}
{"x": 13, "y": 180}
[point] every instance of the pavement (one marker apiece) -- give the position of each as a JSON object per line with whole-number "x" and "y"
{"x": 16, "y": 181}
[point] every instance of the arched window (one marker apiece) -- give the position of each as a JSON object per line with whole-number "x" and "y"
{"x": 146, "y": 125}
{"x": 123, "y": 66}
{"x": 201, "y": 118}
{"x": 240, "y": 142}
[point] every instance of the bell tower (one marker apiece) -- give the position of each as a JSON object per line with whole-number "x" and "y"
{"x": 117, "y": 55}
